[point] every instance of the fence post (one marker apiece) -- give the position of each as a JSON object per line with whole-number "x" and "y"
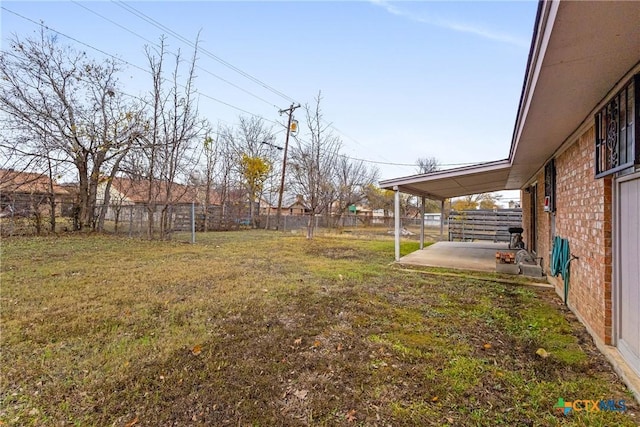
{"x": 131, "y": 221}
{"x": 193, "y": 223}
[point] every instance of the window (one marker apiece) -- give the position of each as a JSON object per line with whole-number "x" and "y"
{"x": 617, "y": 128}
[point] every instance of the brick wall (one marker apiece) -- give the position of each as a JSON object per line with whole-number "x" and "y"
{"x": 584, "y": 216}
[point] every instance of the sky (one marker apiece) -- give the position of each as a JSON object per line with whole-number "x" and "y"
{"x": 400, "y": 80}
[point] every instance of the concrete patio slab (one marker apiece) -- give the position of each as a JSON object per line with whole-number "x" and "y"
{"x": 479, "y": 256}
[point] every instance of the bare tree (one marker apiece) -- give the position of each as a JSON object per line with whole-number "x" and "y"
{"x": 249, "y": 144}
{"x": 313, "y": 164}
{"x": 427, "y": 165}
{"x": 61, "y": 105}
{"x": 210, "y": 154}
{"x": 351, "y": 179}
{"x": 227, "y": 170}
{"x": 113, "y": 116}
{"x": 249, "y": 138}
{"x": 173, "y": 128}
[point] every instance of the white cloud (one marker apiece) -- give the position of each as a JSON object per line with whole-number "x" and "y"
{"x": 461, "y": 27}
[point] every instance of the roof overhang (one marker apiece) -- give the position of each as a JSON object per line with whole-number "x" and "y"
{"x": 481, "y": 178}
{"x": 579, "y": 52}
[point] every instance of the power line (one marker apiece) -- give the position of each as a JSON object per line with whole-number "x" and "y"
{"x": 332, "y": 126}
{"x": 362, "y": 145}
{"x": 237, "y": 108}
{"x": 163, "y": 27}
{"x": 227, "y": 64}
{"x": 410, "y": 164}
{"x": 157, "y": 24}
{"x": 388, "y": 163}
{"x": 153, "y": 22}
{"x": 41, "y": 24}
{"x": 156, "y": 45}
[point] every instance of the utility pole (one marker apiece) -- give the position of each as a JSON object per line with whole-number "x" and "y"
{"x": 290, "y": 111}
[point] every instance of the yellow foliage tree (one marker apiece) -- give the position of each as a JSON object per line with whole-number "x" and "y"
{"x": 255, "y": 171}
{"x": 476, "y": 201}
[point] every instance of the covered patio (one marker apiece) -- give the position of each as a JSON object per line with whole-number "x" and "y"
{"x": 477, "y": 256}
{"x": 442, "y": 185}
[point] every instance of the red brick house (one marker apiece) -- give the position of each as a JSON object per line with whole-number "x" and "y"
{"x": 27, "y": 193}
{"x": 127, "y": 191}
{"x": 575, "y": 156}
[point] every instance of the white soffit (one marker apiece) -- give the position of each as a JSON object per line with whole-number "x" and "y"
{"x": 482, "y": 178}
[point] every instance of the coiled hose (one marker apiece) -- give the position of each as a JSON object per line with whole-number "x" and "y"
{"x": 560, "y": 262}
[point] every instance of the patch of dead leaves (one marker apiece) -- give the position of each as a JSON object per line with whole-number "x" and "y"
{"x": 301, "y": 394}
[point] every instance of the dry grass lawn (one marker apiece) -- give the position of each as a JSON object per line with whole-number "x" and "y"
{"x": 267, "y": 329}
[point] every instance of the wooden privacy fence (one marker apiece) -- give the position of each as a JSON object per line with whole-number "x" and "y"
{"x": 483, "y": 224}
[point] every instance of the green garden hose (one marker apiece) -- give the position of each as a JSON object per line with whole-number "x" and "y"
{"x": 560, "y": 262}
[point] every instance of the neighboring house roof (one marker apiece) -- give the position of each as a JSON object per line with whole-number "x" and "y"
{"x": 579, "y": 51}
{"x": 12, "y": 181}
{"x": 299, "y": 203}
{"x": 137, "y": 191}
{"x": 264, "y": 203}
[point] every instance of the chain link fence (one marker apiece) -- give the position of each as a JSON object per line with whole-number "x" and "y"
{"x": 171, "y": 222}
{"x": 182, "y": 222}
{"x": 360, "y": 224}
{"x": 30, "y": 214}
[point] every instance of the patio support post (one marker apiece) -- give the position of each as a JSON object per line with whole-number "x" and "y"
{"x": 396, "y": 218}
{"x": 441, "y": 218}
{"x": 422, "y": 223}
